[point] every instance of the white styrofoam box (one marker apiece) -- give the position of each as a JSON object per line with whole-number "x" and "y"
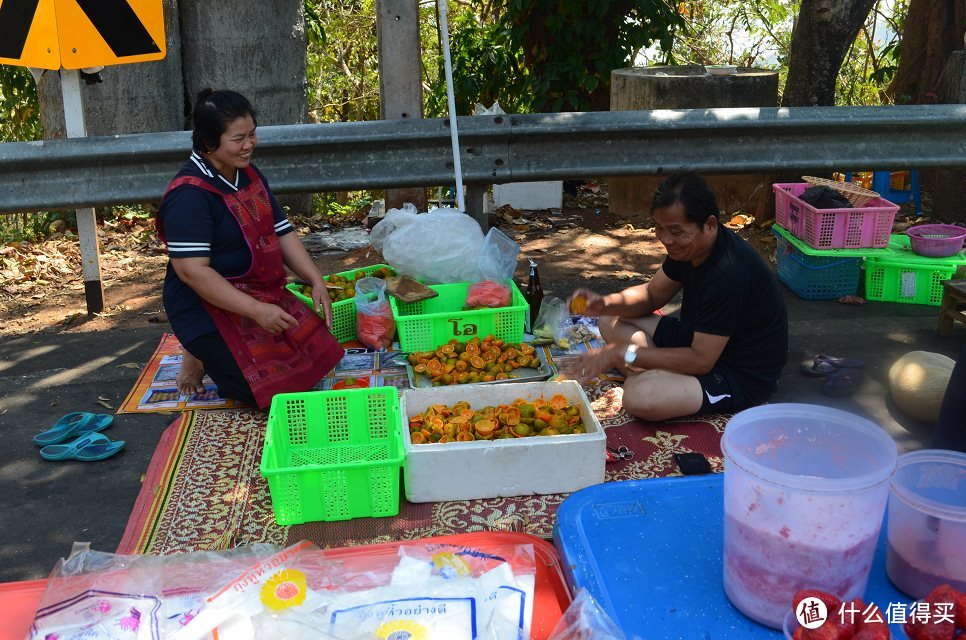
{"x": 507, "y": 467}
{"x": 529, "y": 195}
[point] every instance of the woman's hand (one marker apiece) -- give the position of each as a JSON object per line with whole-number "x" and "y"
{"x": 584, "y": 302}
{"x": 321, "y": 301}
{"x": 272, "y": 318}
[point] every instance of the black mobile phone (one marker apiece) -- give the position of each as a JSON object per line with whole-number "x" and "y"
{"x": 692, "y": 464}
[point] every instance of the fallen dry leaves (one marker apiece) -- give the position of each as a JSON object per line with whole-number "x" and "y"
{"x": 31, "y": 273}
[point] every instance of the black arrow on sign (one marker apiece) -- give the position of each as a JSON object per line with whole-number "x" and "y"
{"x": 119, "y": 26}
{"x": 16, "y": 16}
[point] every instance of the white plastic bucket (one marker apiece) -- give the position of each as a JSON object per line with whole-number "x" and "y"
{"x": 927, "y": 522}
{"x": 805, "y": 489}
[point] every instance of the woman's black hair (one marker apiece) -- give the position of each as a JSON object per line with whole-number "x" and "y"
{"x": 692, "y": 191}
{"x": 213, "y": 111}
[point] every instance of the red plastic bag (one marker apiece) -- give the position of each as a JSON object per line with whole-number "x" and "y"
{"x": 487, "y": 294}
{"x": 376, "y": 331}
{"x": 375, "y": 326}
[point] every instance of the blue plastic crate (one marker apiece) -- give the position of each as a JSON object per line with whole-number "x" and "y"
{"x": 815, "y": 277}
{"x": 651, "y": 553}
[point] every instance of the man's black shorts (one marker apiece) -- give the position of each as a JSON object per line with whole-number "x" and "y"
{"x": 720, "y": 387}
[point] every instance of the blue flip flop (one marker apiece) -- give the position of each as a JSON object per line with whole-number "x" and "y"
{"x": 73, "y": 425}
{"x": 87, "y": 448}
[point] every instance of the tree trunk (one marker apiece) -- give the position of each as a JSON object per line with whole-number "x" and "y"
{"x": 133, "y": 98}
{"x": 255, "y": 48}
{"x": 934, "y": 29}
{"x": 824, "y": 31}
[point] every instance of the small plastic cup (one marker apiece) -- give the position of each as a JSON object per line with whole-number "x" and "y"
{"x": 927, "y": 522}
{"x": 805, "y": 489}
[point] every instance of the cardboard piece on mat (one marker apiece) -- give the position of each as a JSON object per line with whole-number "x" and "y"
{"x": 409, "y": 290}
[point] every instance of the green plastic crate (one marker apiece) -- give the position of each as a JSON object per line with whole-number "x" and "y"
{"x": 426, "y": 324}
{"x": 904, "y": 276}
{"x": 333, "y": 455}
{"x": 344, "y": 311}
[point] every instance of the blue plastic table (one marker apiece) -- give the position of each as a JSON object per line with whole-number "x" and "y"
{"x": 650, "y": 552}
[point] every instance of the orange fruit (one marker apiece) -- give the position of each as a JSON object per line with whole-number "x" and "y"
{"x": 558, "y": 401}
{"x": 578, "y": 305}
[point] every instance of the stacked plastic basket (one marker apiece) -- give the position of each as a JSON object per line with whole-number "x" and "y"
{"x": 820, "y": 252}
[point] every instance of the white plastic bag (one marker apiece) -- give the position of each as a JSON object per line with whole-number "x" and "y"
{"x": 436, "y": 247}
{"x": 394, "y": 219}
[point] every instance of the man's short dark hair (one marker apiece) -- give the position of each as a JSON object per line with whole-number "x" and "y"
{"x": 213, "y": 111}
{"x": 692, "y": 191}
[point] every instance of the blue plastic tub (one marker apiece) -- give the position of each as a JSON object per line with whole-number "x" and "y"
{"x": 650, "y": 552}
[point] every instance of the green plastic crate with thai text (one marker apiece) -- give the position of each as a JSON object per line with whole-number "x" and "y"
{"x": 333, "y": 455}
{"x": 343, "y": 311}
{"x": 424, "y": 325}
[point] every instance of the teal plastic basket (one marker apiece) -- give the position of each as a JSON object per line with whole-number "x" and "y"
{"x": 333, "y": 455}
{"x": 816, "y": 274}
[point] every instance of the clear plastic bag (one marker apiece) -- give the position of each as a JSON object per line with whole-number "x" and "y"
{"x": 496, "y": 262}
{"x": 584, "y": 619}
{"x": 261, "y": 592}
{"x": 393, "y": 220}
{"x": 93, "y": 594}
{"x": 435, "y": 247}
{"x": 549, "y": 320}
{"x": 375, "y": 326}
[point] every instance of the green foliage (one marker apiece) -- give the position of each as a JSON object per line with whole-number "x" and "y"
{"x": 873, "y": 59}
{"x": 486, "y": 68}
{"x": 27, "y": 227}
{"x": 545, "y": 55}
{"x": 19, "y": 111}
{"x": 758, "y": 33}
{"x": 343, "y": 205}
{"x": 342, "y": 60}
{"x": 19, "y": 122}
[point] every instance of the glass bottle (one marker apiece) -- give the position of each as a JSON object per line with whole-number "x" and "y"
{"x": 534, "y": 294}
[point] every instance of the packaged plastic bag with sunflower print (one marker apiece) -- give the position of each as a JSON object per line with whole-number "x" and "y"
{"x": 287, "y": 586}
{"x": 445, "y": 592}
{"x": 428, "y": 592}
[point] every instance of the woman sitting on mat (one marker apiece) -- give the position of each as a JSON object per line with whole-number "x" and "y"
{"x": 228, "y": 244}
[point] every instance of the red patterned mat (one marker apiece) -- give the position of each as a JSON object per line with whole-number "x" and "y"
{"x": 203, "y": 490}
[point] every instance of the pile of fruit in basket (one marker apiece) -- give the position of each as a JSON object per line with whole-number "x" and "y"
{"x": 342, "y": 287}
{"x": 521, "y": 419}
{"x": 477, "y": 360}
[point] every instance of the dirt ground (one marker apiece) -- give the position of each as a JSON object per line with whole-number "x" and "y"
{"x": 583, "y": 245}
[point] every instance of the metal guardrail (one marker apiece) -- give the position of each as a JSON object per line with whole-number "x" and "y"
{"x": 497, "y": 149}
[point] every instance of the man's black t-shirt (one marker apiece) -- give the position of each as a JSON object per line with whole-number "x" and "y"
{"x": 734, "y": 293}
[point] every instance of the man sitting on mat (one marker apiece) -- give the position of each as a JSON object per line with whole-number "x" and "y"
{"x": 727, "y": 349}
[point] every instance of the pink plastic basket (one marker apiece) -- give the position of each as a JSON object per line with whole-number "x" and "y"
{"x": 866, "y": 227}
{"x": 936, "y": 240}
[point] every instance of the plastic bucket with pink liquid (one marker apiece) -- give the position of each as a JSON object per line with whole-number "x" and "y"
{"x": 805, "y": 490}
